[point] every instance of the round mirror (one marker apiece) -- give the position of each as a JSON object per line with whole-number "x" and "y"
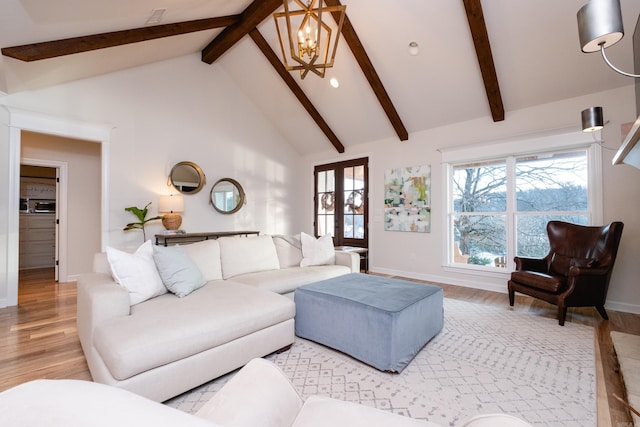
{"x": 227, "y": 196}
{"x": 187, "y": 177}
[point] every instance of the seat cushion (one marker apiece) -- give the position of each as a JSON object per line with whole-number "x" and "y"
{"x": 287, "y": 280}
{"x": 544, "y": 282}
{"x": 167, "y": 328}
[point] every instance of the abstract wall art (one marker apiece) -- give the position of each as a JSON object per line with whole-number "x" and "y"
{"x": 407, "y": 199}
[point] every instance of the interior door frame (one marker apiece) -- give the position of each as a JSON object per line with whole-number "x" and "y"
{"x": 339, "y": 239}
{"x": 18, "y": 120}
{"x": 62, "y": 172}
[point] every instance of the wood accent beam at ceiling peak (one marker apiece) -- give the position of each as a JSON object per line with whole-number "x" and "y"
{"x": 478, "y": 28}
{"x": 250, "y": 18}
{"x": 271, "y": 56}
{"x": 73, "y": 45}
{"x": 352, "y": 39}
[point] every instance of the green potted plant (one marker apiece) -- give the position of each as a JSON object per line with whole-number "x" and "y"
{"x": 141, "y": 214}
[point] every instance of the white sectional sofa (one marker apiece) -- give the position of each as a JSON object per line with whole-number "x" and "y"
{"x": 160, "y": 344}
{"x": 259, "y": 395}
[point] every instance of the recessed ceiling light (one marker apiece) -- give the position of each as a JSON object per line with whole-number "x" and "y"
{"x": 334, "y": 83}
{"x": 414, "y": 48}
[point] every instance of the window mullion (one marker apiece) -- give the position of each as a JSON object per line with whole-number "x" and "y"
{"x": 511, "y": 210}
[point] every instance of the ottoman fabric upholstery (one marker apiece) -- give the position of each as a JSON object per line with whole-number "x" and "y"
{"x": 381, "y": 321}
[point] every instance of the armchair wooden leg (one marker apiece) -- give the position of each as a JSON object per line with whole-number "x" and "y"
{"x": 562, "y": 314}
{"x": 512, "y": 296}
{"x": 602, "y": 312}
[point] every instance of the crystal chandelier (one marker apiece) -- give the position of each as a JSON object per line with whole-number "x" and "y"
{"x": 309, "y": 42}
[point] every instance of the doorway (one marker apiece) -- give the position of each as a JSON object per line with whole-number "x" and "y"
{"x": 18, "y": 123}
{"x": 39, "y": 220}
{"x": 341, "y": 194}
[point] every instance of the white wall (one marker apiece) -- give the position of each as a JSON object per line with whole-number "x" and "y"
{"x": 419, "y": 255}
{"x": 163, "y": 113}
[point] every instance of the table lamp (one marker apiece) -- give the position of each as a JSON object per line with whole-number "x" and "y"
{"x": 170, "y": 205}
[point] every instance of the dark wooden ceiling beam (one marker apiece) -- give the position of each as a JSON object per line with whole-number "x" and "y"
{"x": 352, "y": 39}
{"x": 73, "y": 45}
{"x": 480, "y": 37}
{"x": 295, "y": 88}
{"x": 250, "y": 18}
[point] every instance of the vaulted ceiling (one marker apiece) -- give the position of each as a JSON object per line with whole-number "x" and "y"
{"x": 476, "y": 59}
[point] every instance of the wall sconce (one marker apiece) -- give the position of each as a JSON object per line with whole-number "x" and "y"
{"x": 592, "y": 119}
{"x": 600, "y": 26}
{"x": 171, "y": 205}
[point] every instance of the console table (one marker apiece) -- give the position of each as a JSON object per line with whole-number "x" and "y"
{"x": 182, "y": 238}
{"x": 362, "y": 252}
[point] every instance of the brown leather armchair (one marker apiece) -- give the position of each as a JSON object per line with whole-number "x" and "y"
{"x": 575, "y": 272}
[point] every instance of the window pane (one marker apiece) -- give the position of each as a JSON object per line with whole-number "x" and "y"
{"x": 331, "y": 185}
{"x": 325, "y": 224}
{"x": 532, "y": 240}
{"x": 358, "y": 231}
{"x": 554, "y": 182}
{"x": 358, "y": 177}
{"x": 480, "y": 187}
{"x": 482, "y": 237}
{"x": 348, "y": 178}
{"x": 348, "y": 226}
{"x": 322, "y": 182}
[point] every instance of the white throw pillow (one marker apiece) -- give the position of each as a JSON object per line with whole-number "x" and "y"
{"x": 178, "y": 271}
{"x": 241, "y": 255}
{"x": 136, "y": 272}
{"x": 206, "y": 255}
{"x": 318, "y": 251}
{"x": 289, "y": 250}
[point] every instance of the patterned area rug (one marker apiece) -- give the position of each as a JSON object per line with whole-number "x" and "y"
{"x": 485, "y": 360}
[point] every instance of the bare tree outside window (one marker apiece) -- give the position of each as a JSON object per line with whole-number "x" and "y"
{"x": 545, "y": 187}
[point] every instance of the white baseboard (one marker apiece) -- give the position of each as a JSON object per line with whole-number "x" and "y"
{"x": 610, "y": 305}
{"x": 443, "y": 279}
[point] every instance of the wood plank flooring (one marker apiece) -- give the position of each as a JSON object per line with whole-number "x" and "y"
{"x": 38, "y": 338}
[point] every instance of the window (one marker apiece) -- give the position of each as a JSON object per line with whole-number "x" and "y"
{"x": 341, "y": 202}
{"x": 499, "y": 208}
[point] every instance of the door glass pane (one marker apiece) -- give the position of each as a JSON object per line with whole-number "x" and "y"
{"x": 348, "y": 226}
{"x": 358, "y": 177}
{"x": 325, "y": 224}
{"x": 331, "y": 184}
{"x": 358, "y": 231}
{"x": 322, "y": 182}
{"x": 348, "y": 178}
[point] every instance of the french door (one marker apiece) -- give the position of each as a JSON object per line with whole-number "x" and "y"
{"x": 341, "y": 202}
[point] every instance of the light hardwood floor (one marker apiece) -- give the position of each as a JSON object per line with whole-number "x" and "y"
{"x": 38, "y": 338}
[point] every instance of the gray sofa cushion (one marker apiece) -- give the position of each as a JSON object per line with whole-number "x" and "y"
{"x": 167, "y": 328}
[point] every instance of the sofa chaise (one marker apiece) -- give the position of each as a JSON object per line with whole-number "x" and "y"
{"x": 259, "y": 395}
{"x": 159, "y": 343}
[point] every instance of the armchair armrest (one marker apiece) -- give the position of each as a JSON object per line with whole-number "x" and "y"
{"x": 531, "y": 264}
{"x": 587, "y": 271}
{"x": 258, "y": 395}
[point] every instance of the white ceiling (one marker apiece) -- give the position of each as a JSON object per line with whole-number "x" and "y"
{"x": 534, "y": 42}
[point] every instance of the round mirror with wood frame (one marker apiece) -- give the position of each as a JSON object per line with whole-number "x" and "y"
{"x": 227, "y": 196}
{"x": 187, "y": 177}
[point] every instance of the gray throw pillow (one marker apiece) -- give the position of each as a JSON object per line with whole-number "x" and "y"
{"x": 178, "y": 271}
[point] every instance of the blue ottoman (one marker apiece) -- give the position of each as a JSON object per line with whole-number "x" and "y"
{"x": 381, "y": 321}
